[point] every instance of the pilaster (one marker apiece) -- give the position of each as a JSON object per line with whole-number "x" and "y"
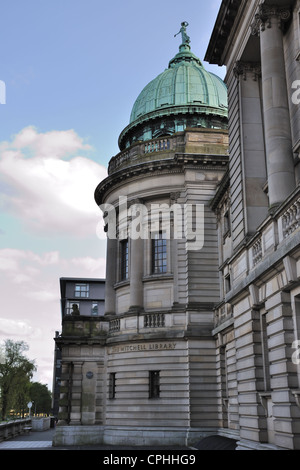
{"x": 110, "y": 295}
{"x": 249, "y": 373}
{"x": 75, "y": 402}
{"x": 253, "y": 158}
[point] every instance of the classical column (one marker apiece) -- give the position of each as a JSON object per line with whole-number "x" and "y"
{"x": 269, "y": 24}
{"x": 137, "y": 218}
{"x": 136, "y": 274}
{"x": 111, "y": 260}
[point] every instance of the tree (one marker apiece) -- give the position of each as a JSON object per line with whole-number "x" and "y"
{"x": 15, "y": 374}
{"x": 41, "y": 398}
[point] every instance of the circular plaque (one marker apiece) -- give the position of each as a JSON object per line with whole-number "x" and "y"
{"x": 89, "y": 375}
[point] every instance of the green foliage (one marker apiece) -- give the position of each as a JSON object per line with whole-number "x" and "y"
{"x": 41, "y": 398}
{"x": 15, "y": 374}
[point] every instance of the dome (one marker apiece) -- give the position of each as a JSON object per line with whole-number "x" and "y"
{"x": 184, "y": 83}
{"x": 184, "y": 95}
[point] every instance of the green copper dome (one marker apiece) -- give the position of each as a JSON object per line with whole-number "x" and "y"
{"x": 184, "y": 83}
{"x": 184, "y": 95}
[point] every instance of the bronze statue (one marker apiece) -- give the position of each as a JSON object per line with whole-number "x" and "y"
{"x": 185, "y": 38}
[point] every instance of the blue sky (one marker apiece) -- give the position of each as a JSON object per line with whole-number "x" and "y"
{"x": 72, "y": 70}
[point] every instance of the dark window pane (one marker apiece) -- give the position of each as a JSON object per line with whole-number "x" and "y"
{"x": 159, "y": 254}
{"x": 124, "y": 260}
{"x": 154, "y": 391}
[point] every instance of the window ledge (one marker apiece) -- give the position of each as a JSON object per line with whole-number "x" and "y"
{"x": 122, "y": 284}
{"x": 158, "y": 277}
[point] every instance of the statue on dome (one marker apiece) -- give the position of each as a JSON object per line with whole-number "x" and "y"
{"x": 185, "y": 38}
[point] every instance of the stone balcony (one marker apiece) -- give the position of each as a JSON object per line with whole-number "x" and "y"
{"x": 193, "y": 140}
{"x": 80, "y": 327}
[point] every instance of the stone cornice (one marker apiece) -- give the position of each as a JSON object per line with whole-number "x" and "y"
{"x": 223, "y": 26}
{"x": 156, "y": 168}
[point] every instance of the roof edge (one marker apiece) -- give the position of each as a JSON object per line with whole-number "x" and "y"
{"x": 223, "y": 25}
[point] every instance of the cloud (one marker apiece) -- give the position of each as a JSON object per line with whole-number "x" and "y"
{"x": 18, "y": 327}
{"x": 48, "y": 184}
{"x": 30, "y": 298}
{"x": 27, "y": 267}
{"x": 91, "y": 265}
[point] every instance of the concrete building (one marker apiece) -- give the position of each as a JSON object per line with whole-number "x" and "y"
{"x": 200, "y": 335}
{"x": 80, "y": 298}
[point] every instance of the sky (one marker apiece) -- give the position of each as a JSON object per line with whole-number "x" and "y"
{"x": 70, "y": 72}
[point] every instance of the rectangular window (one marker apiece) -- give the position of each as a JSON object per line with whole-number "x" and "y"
{"x": 72, "y": 308}
{"x": 226, "y": 224}
{"x": 265, "y": 351}
{"x": 159, "y": 254}
{"x": 94, "y": 311}
{"x": 154, "y": 389}
{"x": 81, "y": 290}
{"x": 112, "y": 385}
{"x": 124, "y": 260}
{"x": 227, "y": 284}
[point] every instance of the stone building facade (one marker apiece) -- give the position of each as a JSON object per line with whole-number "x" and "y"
{"x": 145, "y": 373}
{"x": 201, "y": 326}
{"x": 257, "y": 321}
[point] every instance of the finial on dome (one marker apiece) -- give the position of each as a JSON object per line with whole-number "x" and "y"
{"x": 185, "y": 38}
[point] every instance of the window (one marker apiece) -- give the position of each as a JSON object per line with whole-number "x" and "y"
{"x": 72, "y": 308}
{"x": 124, "y": 260}
{"x": 112, "y": 385}
{"x": 265, "y": 351}
{"x": 94, "y": 311}
{"x": 227, "y": 284}
{"x": 81, "y": 290}
{"x": 226, "y": 224}
{"x": 159, "y": 254}
{"x": 154, "y": 391}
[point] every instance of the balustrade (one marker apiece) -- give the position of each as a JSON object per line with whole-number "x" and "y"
{"x": 257, "y": 252}
{"x": 157, "y": 146}
{"x": 114, "y": 325}
{"x": 291, "y": 218}
{"x": 152, "y": 146}
{"x": 154, "y": 320}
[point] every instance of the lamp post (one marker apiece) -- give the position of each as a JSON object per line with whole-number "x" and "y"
{"x": 29, "y": 405}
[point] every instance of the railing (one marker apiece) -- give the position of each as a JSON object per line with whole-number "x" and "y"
{"x": 277, "y": 229}
{"x": 285, "y": 222}
{"x": 257, "y": 252}
{"x": 154, "y": 320}
{"x": 157, "y": 146}
{"x": 222, "y": 313}
{"x": 114, "y": 325}
{"x": 291, "y": 219}
{"x": 10, "y": 429}
{"x": 145, "y": 148}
